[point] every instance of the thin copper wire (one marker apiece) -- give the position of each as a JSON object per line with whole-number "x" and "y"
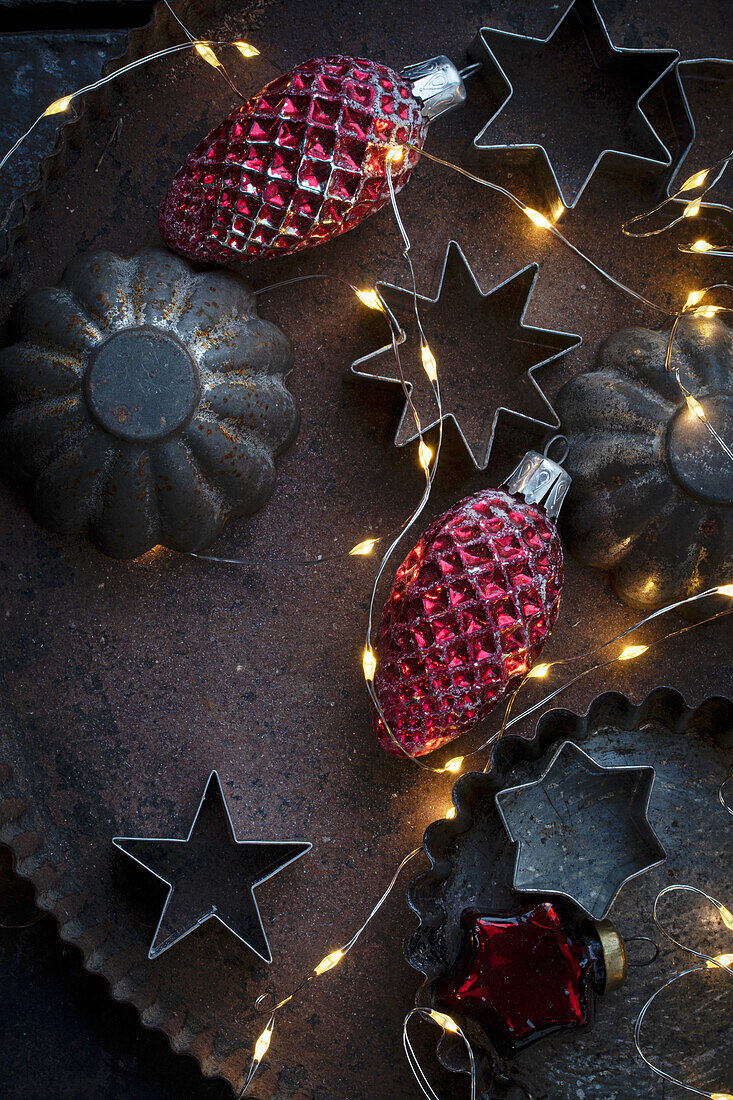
{"x": 344, "y": 950}
{"x": 708, "y": 962}
{"x": 720, "y": 165}
{"x": 420, "y": 1076}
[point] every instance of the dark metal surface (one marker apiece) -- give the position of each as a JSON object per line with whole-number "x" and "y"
{"x": 144, "y": 402}
{"x": 44, "y": 66}
{"x": 651, "y": 498}
{"x": 61, "y": 1034}
{"x": 472, "y": 862}
{"x": 126, "y": 682}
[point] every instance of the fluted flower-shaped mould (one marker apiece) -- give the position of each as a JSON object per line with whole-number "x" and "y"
{"x": 472, "y": 860}
{"x": 652, "y": 492}
{"x": 144, "y": 402}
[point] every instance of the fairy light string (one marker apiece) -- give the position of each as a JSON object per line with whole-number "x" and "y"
{"x": 702, "y": 182}
{"x": 722, "y": 962}
{"x": 334, "y": 957}
{"x": 447, "y": 1024}
{"x": 369, "y": 297}
{"x": 327, "y": 963}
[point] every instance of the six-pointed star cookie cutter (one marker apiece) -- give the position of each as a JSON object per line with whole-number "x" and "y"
{"x": 551, "y": 818}
{"x": 605, "y": 54}
{"x": 526, "y": 277}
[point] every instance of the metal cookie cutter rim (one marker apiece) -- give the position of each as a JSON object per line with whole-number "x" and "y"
{"x": 155, "y": 951}
{"x": 553, "y": 421}
{"x": 588, "y": 13}
{"x": 638, "y": 813}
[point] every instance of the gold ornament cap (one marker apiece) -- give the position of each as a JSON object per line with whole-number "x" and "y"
{"x": 614, "y": 954}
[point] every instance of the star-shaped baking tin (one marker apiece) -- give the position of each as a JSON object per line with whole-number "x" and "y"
{"x": 582, "y": 830}
{"x": 569, "y": 92}
{"x": 483, "y": 351}
{"x": 211, "y": 874}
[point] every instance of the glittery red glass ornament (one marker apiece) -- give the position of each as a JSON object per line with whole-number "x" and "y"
{"x": 304, "y": 160}
{"x": 470, "y": 610}
{"x": 529, "y": 974}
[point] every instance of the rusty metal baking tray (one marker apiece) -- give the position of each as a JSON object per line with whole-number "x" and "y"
{"x": 125, "y": 682}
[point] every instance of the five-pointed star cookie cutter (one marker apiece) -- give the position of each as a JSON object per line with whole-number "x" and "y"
{"x": 528, "y": 275}
{"x": 604, "y": 53}
{"x": 257, "y": 941}
{"x": 557, "y": 820}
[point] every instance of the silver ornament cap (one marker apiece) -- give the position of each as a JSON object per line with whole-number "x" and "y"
{"x": 438, "y": 85}
{"x": 539, "y": 480}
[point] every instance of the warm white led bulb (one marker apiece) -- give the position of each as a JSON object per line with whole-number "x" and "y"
{"x": 329, "y": 962}
{"x": 632, "y": 651}
{"x": 369, "y": 664}
{"x": 208, "y": 54}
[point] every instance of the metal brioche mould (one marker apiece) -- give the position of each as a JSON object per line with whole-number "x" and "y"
{"x": 472, "y": 859}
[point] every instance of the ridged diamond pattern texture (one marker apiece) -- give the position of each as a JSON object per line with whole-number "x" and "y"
{"x": 471, "y": 608}
{"x": 302, "y": 161}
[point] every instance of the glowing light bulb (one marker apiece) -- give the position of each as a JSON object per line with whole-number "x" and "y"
{"x": 451, "y": 813}
{"x": 695, "y": 407}
{"x": 691, "y": 209}
{"x": 246, "y": 50}
{"x": 208, "y": 54}
{"x": 329, "y": 962}
{"x": 720, "y": 1096}
{"x": 428, "y": 362}
{"x": 632, "y": 651}
{"x": 424, "y": 454}
{"x": 58, "y": 105}
{"x": 395, "y": 154}
{"x": 263, "y": 1043}
{"x": 727, "y": 917}
{"x": 723, "y": 960}
{"x": 701, "y": 246}
{"x": 725, "y": 590}
{"x": 454, "y": 765}
{"x": 538, "y": 672}
{"x": 369, "y": 664}
{"x": 443, "y": 1021}
{"x": 694, "y": 297}
{"x": 695, "y": 181}
{"x": 537, "y": 218}
{"x": 707, "y": 311}
{"x": 370, "y": 299}
{"x": 363, "y": 548}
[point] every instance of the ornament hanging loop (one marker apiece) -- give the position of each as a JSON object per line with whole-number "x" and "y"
{"x": 643, "y": 962}
{"x": 563, "y": 442}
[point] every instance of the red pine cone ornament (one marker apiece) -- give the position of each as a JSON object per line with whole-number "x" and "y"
{"x": 470, "y": 610}
{"x": 305, "y": 159}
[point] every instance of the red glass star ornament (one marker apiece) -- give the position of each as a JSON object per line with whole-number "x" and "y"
{"x": 524, "y": 976}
